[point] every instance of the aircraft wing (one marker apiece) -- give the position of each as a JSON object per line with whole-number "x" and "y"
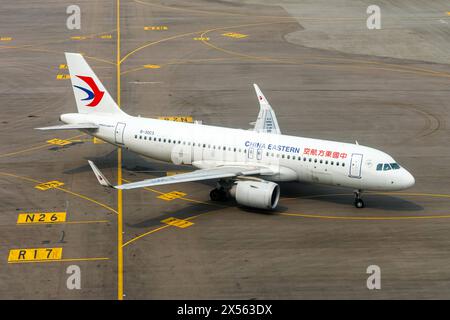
{"x": 197, "y": 175}
{"x": 77, "y": 126}
{"x": 267, "y": 120}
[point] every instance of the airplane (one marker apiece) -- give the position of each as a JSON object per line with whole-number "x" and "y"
{"x": 247, "y": 164}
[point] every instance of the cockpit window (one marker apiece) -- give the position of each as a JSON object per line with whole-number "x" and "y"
{"x": 395, "y": 166}
{"x": 379, "y": 167}
{"x": 386, "y": 167}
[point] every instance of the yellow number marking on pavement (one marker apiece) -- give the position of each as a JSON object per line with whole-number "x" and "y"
{"x": 178, "y": 119}
{"x": 63, "y": 66}
{"x": 41, "y": 217}
{"x": 5, "y": 38}
{"x": 49, "y": 185}
{"x": 235, "y": 35}
{"x": 156, "y": 28}
{"x": 201, "y": 38}
{"x": 171, "y": 195}
{"x": 59, "y": 142}
{"x": 37, "y": 254}
{"x": 152, "y": 66}
{"x": 106, "y": 36}
{"x": 62, "y": 76}
{"x": 177, "y": 222}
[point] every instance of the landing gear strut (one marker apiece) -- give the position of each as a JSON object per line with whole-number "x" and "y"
{"x": 359, "y": 203}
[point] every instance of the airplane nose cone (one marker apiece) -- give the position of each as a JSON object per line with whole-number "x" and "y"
{"x": 408, "y": 180}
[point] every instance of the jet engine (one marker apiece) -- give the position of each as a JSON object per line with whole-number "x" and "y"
{"x": 256, "y": 194}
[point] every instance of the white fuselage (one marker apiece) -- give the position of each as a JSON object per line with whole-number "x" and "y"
{"x": 293, "y": 158}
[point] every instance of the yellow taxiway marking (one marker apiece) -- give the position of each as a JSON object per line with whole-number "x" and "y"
{"x": 60, "y": 260}
{"x": 173, "y": 173}
{"x": 171, "y": 195}
{"x": 5, "y": 174}
{"x": 34, "y": 148}
{"x": 63, "y": 66}
{"x": 41, "y": 217}
{"x": 59, "y": 142}
{"x": 119, "y": 170}
{"x": 49, "y": 185}
{"x": 78, "y": 38}
{"x": 152, "y": 66}
{"x": 156, "y": 28}
{"x": 96, "y": 140}
{"x": 177, "y": 222}
{"x": 235, "y": 35}
{"x": 6, "y": 38}
{"x": 201, "y": 38}
{"x": 106, "y": 36}
{"x": 36, "y": 254}
{"x": 177, "y": 118}
{"x": 62, "y": 76}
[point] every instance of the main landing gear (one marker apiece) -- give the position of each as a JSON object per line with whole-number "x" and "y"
{"x": 359, "y": 203}
{"x": 221, "y": 192}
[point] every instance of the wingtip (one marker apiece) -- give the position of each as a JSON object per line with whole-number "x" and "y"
{"x": 99, "y": 175}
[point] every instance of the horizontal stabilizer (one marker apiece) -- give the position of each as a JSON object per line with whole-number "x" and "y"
{"x": 71, "y": 127}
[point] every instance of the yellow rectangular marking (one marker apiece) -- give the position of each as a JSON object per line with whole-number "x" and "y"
{"x": 36, "y": 254}
{"x": 49, "y": 185}
{"x": 173, "y": 173}
{"x": 78, "y": 38}
{"x": 63, "y": 66}
{"x": 6, "y": 38}
{"x": 171, "y": 195}
{"x": 177, "y": 118}
{"x": 152, "y": 66}
{"x": 106, "y": 36}
{"x": 156, "y": 28}
{"x": 59, "y": 142}
{"x": 41, "y": 217}
{"x": 234, "y": 35}
{"x": 62, "y": 76}
{"x": 177, "y": 222}
{"x": 201, "y": 38}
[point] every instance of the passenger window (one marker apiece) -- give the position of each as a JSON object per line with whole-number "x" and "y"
{"x": 337, "y": 163}
{"x": 321, "y": 161}
{"x": 135, "y": 136}
{"x": 395, "y": 166}
{"x": 343, "y": 164}
{"x": 315, "y": 160}
{"x": 326, "y": 161}
{"x": 288, "y": 157}
{"x": 332, "y": 162}
{"x": 386, "y": 167}
{"x": 282, "y": 156}
{"x": 310, "y": 159}
{"x": 140, "y": 137}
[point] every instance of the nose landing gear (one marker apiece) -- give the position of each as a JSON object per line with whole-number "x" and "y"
{"x": 359, "y": 203}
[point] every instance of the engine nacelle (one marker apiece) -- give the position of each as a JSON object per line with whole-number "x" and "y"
{"x": 256, "y": 194}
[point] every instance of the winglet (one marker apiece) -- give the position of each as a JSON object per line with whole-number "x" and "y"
{"x": 261, "y": 98}
{"x": 100, "y": 177}
{"x": 267, "y": 120}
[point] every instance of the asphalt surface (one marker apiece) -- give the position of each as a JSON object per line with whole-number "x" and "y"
{"x": 200, "y": 59}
